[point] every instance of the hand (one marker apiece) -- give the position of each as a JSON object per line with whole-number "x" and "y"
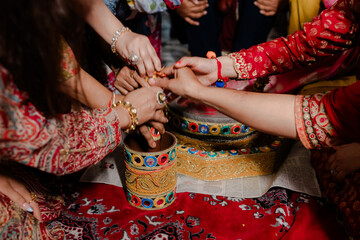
{"x": 268, "y": 7}
{"x": 133, "y": 43}
{"x": 18, "y": 193}
{"x": 204, "y": 69}
{"x": 143, "y": 129}
{"x": 345, "y": 160}
{"x": 190, "y": 9}
{"x": 144, "y": 100}
{"x": 128, "y": 80}
{"x": 184, "y": 84}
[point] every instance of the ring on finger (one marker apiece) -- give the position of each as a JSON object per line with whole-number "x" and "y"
{"x": 333, "y": 172}
{"x": 132, "y": 73}
{"x": 133, "y": 59}
{"x": 34, "y": 197}
{"x": 161, "y": 98}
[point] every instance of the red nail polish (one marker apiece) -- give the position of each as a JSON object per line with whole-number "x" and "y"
{"x": 178, "y": 62}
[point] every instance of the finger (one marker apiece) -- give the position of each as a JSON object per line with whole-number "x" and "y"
{"x": 197, "y": 15}
{"x": 132, "y": 79}
{"x": 191, "y": 22}
{"x": 26, "y": 198}
{"x": 142, "y": 81}
{"x": 160, "y": 117}
{"x": 147, "y": 135}
{"x": 147, "y": 60}
{"x": 159, "y": 126}
{"x": 184, "y": 62}
{"x": 16, "y": 197}
{"x": 160, "y": 82}
{"x": 156, "y": 61}
{"x": 122, "y": 90}
{"x": 126, "y": 85}
{"x": 200, "y": 8}
{"x": 268, "y": 14}
{"x": 168, "y": 71}
{"x": 141, "y": 69}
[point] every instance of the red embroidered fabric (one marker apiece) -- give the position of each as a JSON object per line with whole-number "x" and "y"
{"x": 332, "y": 32}
{"x": 325, "y": 120}
{"x": 59, "y": 146}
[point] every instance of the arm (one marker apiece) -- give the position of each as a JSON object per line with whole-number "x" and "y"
{"x": 106, "y": 24}
{"x": 332, "y": 32}
{"x": 320, "y": 120}
{"x": 270, "y": 113}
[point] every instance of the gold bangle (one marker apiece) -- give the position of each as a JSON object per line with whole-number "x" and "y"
{"x": 116, "y": 36}
{"x": 132, "y": 112}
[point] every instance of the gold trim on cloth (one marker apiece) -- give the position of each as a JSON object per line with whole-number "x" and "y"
{"x": 214, "y": 165}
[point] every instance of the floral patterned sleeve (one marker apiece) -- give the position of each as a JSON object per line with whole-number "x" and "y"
{"x": 332, "y": 32}
{"x": 312, "y": 123}
{"x": 59, "y": 145}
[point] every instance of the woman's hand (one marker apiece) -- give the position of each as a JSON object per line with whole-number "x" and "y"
{"x": 345, "y": 160}
{"x": 184, "y": 83}
{"x": 204, "y": 69}
{"x": 128, "y": 79}
{"x": 130, "y": 43}
{"x": 144, "y": 100}
{"x": 190, "y": 10}
{"x": 145, "y": 131}
{"x": 18, "y": 193}
{"x": 268, "y": 7}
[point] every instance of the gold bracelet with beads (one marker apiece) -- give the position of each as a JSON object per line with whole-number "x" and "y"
{"x": 132, "y": 111}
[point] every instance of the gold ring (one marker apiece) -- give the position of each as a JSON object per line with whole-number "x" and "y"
{"x": 132, "y": 74}
{"x": 161, "y": 98}
{"x": 34, "y": 197}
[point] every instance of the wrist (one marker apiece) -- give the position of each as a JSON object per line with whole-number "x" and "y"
{"x": 227, "y": 69}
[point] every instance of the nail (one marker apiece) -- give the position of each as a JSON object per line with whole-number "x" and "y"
{"x": 26, "y": 206}
{"x": 178, "y": 62}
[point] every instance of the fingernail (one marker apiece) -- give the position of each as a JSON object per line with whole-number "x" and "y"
{"x": 178, "y": 62}
{"x": 27, "y": 207}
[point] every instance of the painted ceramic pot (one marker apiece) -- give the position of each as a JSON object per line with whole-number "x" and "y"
{"x": 151, "y": 174}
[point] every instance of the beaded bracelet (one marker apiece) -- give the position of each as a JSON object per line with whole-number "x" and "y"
{"x": 116, "y": 36}
{"x": 222, "y": 81}
{"x": 132, "y": 112}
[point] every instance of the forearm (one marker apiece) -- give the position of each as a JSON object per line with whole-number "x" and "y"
{"x": 270, "y": 113}
{"x": 100, "y": 18}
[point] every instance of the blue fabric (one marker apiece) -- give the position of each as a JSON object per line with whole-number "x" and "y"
{"x": 111, "y": 4}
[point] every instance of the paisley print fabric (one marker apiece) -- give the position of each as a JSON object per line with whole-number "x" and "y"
{"x": 59, "y": 145}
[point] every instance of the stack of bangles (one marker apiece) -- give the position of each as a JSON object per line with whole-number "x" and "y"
{"x": 132, "y": 111}
{"x": 222, "y": 81}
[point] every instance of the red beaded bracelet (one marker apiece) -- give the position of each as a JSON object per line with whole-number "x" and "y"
{"x": 222, "y": 81}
